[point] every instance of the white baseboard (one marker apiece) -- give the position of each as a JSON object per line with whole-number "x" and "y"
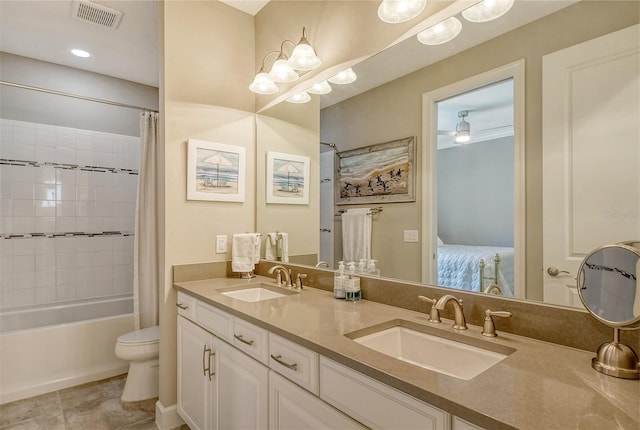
{"x": 167, "y": 418}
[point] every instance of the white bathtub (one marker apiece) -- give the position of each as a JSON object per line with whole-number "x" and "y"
{"x": 47, "y": 349}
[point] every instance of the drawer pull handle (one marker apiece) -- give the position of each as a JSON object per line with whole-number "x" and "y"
{"x": 206, "y": 363}
{"x": 246, "y": 342}
{"x": 278, "y": 359}
{"x": 181, "y": 306}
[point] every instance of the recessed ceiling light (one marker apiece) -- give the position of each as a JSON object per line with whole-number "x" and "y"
{"x": 80, "y": 53}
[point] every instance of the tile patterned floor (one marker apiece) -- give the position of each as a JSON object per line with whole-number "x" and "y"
{"x": 93, "y": 406}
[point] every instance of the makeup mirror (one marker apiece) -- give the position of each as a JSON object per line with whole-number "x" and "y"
{"x": 608, "y": 287}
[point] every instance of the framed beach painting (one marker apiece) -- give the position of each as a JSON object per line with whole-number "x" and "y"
{"x": 287, "y": 178}
{"x": 215, "y": 171}
{"x": 380, "y": 173}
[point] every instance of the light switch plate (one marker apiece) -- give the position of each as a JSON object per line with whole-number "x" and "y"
{"x": 410, "y": 235}
{"x": 221, "y": 244}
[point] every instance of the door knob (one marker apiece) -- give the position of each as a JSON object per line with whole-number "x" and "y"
{"x": 553, "y": 271}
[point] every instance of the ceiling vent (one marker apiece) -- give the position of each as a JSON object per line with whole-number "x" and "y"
{"x": 96, "y": 14}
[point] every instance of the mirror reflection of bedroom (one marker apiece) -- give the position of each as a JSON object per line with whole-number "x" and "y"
{"x": 475, "y": 190}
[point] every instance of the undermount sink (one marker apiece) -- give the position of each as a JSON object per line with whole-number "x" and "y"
{"x": 256, "y": 292}
{"x": 424, "y": 346}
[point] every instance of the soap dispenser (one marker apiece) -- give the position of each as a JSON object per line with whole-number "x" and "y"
{"x": 371, "y": 268}
{"x": 352, "y": 285}
{"x": 338, "y": 282}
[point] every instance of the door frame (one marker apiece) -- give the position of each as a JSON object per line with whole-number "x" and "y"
{"x": 515, "y": 71}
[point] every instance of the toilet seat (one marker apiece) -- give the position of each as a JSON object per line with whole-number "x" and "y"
{"x": 141, "y": 337}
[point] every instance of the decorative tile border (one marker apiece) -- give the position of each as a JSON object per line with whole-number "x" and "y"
{"x": 65, "y": 166}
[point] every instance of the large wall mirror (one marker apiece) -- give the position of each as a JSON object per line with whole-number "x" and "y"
{"x": 573, "y": 162}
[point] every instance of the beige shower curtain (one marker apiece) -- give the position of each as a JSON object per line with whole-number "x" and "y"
{"x": 145, "y": 259}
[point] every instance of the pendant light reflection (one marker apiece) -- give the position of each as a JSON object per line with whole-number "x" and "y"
{"x": 442, "y": 32}
{"x": 345, "y": 77}
{"x": 463, "y": 128}
{"x": 397, "y": 11}
{"x": 320, "y": 88}
{"x": 302, "y": 97}
{"x": 487, "y": 10}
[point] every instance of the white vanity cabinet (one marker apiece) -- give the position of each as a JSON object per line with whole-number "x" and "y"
{"x": 196, "y": 385}
{"x": 291, "y": 407}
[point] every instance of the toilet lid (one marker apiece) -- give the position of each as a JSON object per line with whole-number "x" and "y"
{"x": 149, "y": 334}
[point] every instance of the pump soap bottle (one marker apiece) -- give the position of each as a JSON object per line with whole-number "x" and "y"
{"x": 338, "y": 282}
{"x": 352, "y": 285}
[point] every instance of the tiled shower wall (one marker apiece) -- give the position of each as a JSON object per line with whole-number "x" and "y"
{"x": 67, "y": 208}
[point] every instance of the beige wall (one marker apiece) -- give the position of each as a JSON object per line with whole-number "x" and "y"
{"x": 207, "y": 63}
{"x": 290, "y": 129}
{"x": 394, "y": 110}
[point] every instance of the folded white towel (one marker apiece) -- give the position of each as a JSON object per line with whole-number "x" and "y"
{"x": 284, "y": 247}
{"x": 356, "y": 234}
{"x": 271, "y": 247}
{"x": 243, "y": 251}
{"x": 256, "y": 252}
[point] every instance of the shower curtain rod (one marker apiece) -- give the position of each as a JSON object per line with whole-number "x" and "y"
{"x": 75, "y": 96}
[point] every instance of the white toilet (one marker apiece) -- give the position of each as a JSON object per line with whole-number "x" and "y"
{"x": 141, "y": 349}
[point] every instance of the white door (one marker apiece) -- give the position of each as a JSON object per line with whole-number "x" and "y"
{"x": 591, "y": 154}
{"x": 292, "y": 408}
{"x": 327, "y": 159}
{"x": 196, "y": 376}
{"x": 243, "y": 402}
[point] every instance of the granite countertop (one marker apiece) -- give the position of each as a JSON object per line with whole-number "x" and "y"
{"x": 539, "y": 386}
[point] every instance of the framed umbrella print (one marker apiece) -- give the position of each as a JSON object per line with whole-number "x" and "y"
{"x": 287, "y": 178}
{"x": 215, "y": 171}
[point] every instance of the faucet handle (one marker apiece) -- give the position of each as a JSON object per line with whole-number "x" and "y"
{"x": 299, "y": 279}
{"x": 434, "y": 315}
{"x": 489, "y": 328}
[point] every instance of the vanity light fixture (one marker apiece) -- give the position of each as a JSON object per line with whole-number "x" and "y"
{"x": 302, "y": 97}
{"x": 442, "y": 32}
{"x": 284, "y": 69}
{"x": 487, "y": 10}
{"x": 463, "y": 128}
{"x": 320, "y": 88}
{"x": 397, "y": 11}
{"x": 345, "y": 77}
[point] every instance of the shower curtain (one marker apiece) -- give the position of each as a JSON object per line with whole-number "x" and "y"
{"x": 145, "y": 260}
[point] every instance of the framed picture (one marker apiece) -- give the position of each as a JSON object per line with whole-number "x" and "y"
{"x": 287, "y": 178}
{"x": 215, "y": 171}
{"x": 380, "y": 173}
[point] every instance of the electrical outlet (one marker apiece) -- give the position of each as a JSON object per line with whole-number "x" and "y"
{"x": 410, "y": 235}
{"x": 221, "y": 244}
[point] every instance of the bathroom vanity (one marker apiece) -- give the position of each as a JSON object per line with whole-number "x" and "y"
{"x": 294, "y": 362}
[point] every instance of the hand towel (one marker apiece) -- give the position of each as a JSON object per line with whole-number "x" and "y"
{"x": 284, "y": 247}
{"x": 256, "y": 252}
{"x": 243, "y": 250}
{"x": 356, "y": 234}
{"x": 271, "y": 247}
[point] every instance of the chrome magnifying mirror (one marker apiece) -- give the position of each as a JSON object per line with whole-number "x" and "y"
{"x": 609, "y": 288}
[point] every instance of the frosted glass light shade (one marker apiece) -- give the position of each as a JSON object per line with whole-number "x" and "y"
{"x": 302, "y": 97}
{"x": 396, "y": 11}
{"x": 304, "y": 57}
{"x": 262, "y": 84}
{"x": 487, "y": 10}
{"x": 320, "y": 88}
{"x": 281, "y": 71}
{"x": 345, "y": 77}
{"x": 442, "y": 32}
{"x": 463, "y": 132}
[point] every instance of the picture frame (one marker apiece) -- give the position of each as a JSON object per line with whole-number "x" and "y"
{"x": 215, "y": 171}
{"x": 287, "y": 178}
{"x": 380, "y": 173}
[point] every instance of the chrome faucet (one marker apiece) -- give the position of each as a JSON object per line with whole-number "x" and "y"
{"x": 280, "y": 271}
{"x": 459, "y": 321}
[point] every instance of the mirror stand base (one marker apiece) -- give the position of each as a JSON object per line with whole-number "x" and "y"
{"x": 616, "y": 359}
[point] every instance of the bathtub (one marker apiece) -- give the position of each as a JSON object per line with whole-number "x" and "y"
{"x": 44, "y": 349}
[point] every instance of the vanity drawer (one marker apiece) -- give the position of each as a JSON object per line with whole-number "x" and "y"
{"x": 251, "y": 339}
{"x": 214, "y": 320}
{"x": 294, "y": 362}
{"x": 186, "y": 306}
{"x": 374, "y": 404}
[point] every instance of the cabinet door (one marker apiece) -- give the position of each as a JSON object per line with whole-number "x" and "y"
{"x": 292, "y": 408}
{"x": 242, "y": 390}
{"x": 196, "y": 378}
